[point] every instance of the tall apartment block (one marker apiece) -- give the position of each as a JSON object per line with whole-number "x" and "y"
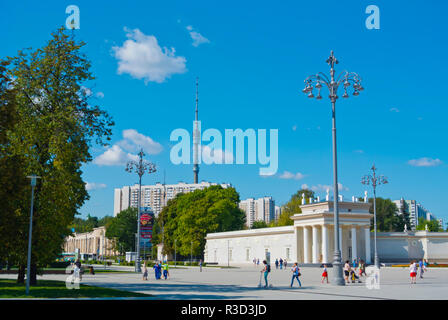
{"x": 155, "y": 196}
{"x": 262, "y": 209}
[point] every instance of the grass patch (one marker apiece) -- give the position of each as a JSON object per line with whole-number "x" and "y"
{"x": 57, "y": 289}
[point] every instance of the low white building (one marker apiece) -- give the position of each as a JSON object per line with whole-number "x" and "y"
{"x": 311, "y": 239}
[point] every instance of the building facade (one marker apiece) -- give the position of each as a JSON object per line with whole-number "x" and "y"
{"x": 154, "y": 196}
{"x": 311, "y": 240}
{"x": 262, "y": 209}
{"x": 92, "y": 244}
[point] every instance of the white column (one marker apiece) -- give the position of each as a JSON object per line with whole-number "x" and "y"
{"x": 315, "y": 245}
{"x": 354, "y": 240}
{"x": 367, "y": 241}
{"x": 306, "y": 256}
{"x": 324, "y": 244}
{"x": 295, "y": 255}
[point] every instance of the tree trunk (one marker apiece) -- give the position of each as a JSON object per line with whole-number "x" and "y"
{"x": 21, "y": 274}
{"x": 33, "y": 275}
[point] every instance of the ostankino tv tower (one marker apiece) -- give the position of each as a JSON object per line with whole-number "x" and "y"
{"x": 196, "y": 139}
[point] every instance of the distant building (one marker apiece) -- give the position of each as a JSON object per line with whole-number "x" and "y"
{"x": 262, "y": 209}
{"x": 441, "y": 223}
{"x": 278, "y": 212}
{"x": 154, "y": 196}
{"x": 90, "y": 245}
{"x": 415, "y": 211}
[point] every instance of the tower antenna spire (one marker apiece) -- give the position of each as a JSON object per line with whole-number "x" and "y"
{"x": 196, "y": 137}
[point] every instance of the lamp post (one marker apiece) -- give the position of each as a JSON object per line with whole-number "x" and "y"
{"x": 375, "y": 181}
{"x": 175, "y": 253}
{"x": 30, "y": 233}
{"x": 317, "y": 81}
{"x": 140, "y": 167}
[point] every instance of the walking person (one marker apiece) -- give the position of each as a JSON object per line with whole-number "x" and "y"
{"x": 285, "y": 263}
{"x": 266, "y": 269}
{"x": 362, "y": 268}
{"x": 200, "y": 265}
{"x": 347, "y": 269}
{"x": 145, "y": 271}
{"x": 413, "y": 272}
{"x": 420, "y": 266}
{"x": 276, "y": 263}
{"x": 324, "y": 274}
{"x": 425, "y": 265}
{"x": 295, "y": 274}
{"x": 281, "y": 263}
{"x": 258, "y": 262}
{"x": 165, "y": 270}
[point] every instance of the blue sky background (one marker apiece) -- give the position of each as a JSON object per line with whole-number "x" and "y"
{"x": 251, "y": 74}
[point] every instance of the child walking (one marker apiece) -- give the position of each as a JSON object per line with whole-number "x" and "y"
{"x": 324, "y": 274}
{"x": 413, "y": 272}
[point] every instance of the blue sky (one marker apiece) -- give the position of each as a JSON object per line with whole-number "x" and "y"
{"x": 251, "y": 58}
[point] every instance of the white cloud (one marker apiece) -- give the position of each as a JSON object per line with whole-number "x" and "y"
{"x": 425, "y": 162}
{"x": 94, "y": 186}
{"x": 305, "y": 186}
{"x": 290, "y": 175}
{"x": 124, "y": 150}
{"x": 324, "y": 187}
{"x": 210, "y": 156}
{"x": 359, "y": 151}
{"x": 294, "y": 128}
{"x": 114, "y": 156}
{"x": 394, "y": 110}
{"x": 143, "y": 58}
{"x": 100, "y": 95}
{"x": 134, "y": 141}
{"x": 198, "y": 38}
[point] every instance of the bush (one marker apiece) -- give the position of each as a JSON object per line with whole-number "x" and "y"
{"x": 59, "y": 264}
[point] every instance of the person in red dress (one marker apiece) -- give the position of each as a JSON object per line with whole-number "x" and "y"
{"x": 325, "y": 274}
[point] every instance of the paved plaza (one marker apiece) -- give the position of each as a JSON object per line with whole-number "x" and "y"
{"x": 242, "y": 283}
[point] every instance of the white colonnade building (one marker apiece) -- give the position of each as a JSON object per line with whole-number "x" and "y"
{"x": 309, "y": 241}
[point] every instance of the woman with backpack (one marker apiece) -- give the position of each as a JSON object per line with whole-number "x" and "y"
{"x": 295, "y": 274}
{"x": 266, "y": 269}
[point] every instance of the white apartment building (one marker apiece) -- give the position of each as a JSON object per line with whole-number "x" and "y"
{"x": 262, "y": 209}
{"x": 155, "y": 196}
{"x": 278, "y": 212}
{"x": 415, "y": 211}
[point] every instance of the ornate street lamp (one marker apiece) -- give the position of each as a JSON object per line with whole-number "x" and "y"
{"x": 376, "y": 181}
{"x": 140, "y": 167}
{"x": 317, "y": 81}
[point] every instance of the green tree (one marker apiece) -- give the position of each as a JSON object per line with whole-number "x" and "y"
{"x": 433, "y": 225}
{"x": 55, "y": 127}
{"x": 122, "y": 229}
{"x": 293, "y": 206}
{"x": 190, "y": 216}
{"x": 14, "y": 186}
{"x": 80, "y": 225}
{"x": 387, "y": 217}
{"x": 259, "y": 224}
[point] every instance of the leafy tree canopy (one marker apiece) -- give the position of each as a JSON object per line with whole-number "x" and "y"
{"x": 189, "y": 217}
{"x": 293, "y": 206}
{"x": 259, "y": 224}
{"x": 433, "y": 225}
